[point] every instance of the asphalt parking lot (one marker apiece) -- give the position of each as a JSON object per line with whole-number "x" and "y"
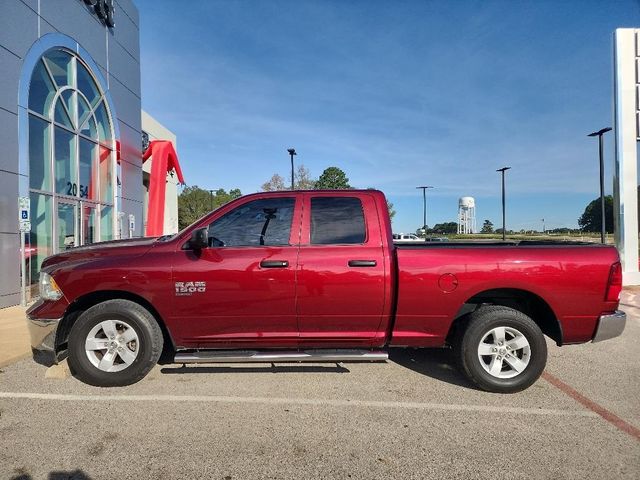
{"x": 412, "y": 417}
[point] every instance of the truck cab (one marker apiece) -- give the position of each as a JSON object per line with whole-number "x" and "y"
{"x": 299, "y": 270}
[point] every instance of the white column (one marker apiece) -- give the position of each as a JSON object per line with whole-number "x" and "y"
{"x": 626, "y": 128}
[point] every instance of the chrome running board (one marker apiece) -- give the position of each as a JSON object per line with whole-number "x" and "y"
{"x": 266, "y": 356}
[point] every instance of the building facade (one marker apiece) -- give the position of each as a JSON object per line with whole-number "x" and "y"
{"x": 626, "y": 123}
{"x": 70, "y": 127}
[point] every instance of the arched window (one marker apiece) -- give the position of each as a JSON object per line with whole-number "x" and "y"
{"x": 71, "y": 157}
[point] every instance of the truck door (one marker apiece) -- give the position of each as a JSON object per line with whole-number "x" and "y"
{"x": 240, "y": 292}
{"x": 341, "y": 271}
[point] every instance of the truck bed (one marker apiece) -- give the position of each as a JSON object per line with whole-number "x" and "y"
{"x": 436, "y": 279}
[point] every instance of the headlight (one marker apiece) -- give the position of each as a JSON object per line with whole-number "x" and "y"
{"x": 49, "y": 289}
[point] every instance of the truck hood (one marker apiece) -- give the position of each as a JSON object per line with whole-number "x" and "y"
{"x": 129, "y": 247}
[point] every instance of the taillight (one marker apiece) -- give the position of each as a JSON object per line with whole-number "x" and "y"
{"x": 614, "y": 286}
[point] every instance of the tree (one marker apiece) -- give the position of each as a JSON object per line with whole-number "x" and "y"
{"x": 487, "y": 227}
{"x": 591, "y": 219}
{"x": 195, "y": 202}
{"x": 392, "y": 211}
{"x": 333, "y": 179}
{"x": 301, "y": 181}
{"x": 276, "y": 183}
{"x": 447, "y": 228}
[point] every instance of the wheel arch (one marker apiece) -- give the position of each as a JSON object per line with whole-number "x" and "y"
{"x": 524, "y": 301}
{"x": 89, "y": 300}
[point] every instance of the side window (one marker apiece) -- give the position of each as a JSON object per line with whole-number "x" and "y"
{"x": 337, "y": 220}
{"x": 261, "y": 222}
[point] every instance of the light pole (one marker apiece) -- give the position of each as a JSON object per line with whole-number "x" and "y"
{"x": 424, "y": 207}
{"x": 502, "y": 170}
{"x": 211, "y": 197}
{"x": 599, "y": 134}
{"x": 292, "y": 152}
{"x": 543, "y": 229}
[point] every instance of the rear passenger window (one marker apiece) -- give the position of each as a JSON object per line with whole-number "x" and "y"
{"x": 337, "y": 220}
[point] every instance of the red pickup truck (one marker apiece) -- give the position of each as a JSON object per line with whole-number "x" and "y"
{"x": 315, "y": 276}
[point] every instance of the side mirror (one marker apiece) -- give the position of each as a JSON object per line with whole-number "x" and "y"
{"x": 199, "y": 238}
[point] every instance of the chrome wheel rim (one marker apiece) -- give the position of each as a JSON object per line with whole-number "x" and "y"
{"x": 112, "y": 345}
{"x": 504, "y": 352}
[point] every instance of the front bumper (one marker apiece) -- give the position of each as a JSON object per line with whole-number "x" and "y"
{"x": 43, "y": 339}
{"x": 610, "y": 326}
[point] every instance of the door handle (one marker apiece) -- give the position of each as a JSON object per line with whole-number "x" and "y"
{"x": 362, "y": 263}
{"x": 274, "y": 263}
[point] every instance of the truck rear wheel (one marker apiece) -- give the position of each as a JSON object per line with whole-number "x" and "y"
{"x": 501, "y": 350}
{"x": 114, "y": 343}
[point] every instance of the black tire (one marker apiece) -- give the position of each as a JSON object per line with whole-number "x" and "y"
{"x": 479, "y": 324}
{"x": 148, "y": 347}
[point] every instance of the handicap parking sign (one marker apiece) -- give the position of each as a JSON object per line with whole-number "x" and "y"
{"x": 24, "y": 206}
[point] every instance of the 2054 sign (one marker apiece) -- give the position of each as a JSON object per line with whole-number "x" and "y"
{"x": 72, "y": 190}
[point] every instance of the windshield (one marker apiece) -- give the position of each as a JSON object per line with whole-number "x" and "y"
{"x": 166, "y": 238}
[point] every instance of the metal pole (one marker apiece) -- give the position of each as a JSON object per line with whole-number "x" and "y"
{"x": 602, "y": 212}
{"x": 424, "y": 207}
{"x": 424, "y": 210}
{"x": 292, "y": 152}
{"x": 503, "y": 210}
{"x": 599, "y": 134}
{"x": 504, "y": 228}
{"x": 23, "y": 266}
{"x": 211, "y": 198}
{"x": 292, "y": 183}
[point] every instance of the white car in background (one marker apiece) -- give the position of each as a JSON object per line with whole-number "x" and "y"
{"x": 406, "y": 238}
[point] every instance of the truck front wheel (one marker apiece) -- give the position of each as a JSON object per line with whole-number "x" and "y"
{"x": 501, "y": 349}
{"x": 114, "y": 343}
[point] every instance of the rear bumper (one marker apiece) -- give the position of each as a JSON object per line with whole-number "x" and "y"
{"x": 610, "y": 326}
{"x": 43, "y": 339}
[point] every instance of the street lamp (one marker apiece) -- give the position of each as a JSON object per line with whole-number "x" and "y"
{"x": 599, "y": 134}
{"x": 211, "y": 197}
{"x": 292, "y": 152}
{"x": 424, "y": 207}
{"x": 502, "y": 170}
{"x": 543, "y": 229}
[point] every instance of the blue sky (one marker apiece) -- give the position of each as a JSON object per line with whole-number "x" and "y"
{"x": 396, "y": 93}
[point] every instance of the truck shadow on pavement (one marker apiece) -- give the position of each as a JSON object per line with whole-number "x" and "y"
{"x": 73, "y": 475}
{"x": 273, "y": 368}
{"x": 437, "y": 363}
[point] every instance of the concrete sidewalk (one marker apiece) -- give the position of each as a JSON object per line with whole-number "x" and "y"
{"x": 15, "y": 345}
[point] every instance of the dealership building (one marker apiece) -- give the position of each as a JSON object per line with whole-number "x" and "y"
{"x": 78, "y": 163}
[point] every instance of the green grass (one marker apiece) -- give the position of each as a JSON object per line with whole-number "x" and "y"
{"x": 584, "y": 237}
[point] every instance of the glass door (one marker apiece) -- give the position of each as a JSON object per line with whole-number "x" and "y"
{"x": 66, "y": 225}
{"x": 88, "y": 225}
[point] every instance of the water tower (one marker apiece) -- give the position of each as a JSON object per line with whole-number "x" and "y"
{"x": 466, "y": 215}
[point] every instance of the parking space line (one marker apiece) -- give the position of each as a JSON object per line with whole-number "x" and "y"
{"x": 609, "y": 416}
{"x": 296, "y": 401}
